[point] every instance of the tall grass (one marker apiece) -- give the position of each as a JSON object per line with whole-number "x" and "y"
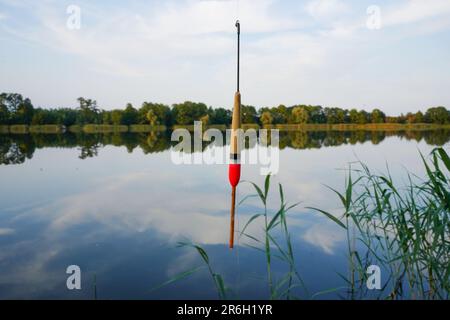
{"x": 46, "y": 128}
{"x": 216, "y": 278}
{"x": 102, "y": 128}
{"x": 403, "y": 230}
{"x": 360, "y": 127}
{"x": 4, "y": 129}
{"x": 270, "y": 245}
{"x": 273, "y": 247}
{"x": 139, "y": 128}
{"x": 19, "y": 129}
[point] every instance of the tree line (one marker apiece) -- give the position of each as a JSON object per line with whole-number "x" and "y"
{"x": 15, "y": 109}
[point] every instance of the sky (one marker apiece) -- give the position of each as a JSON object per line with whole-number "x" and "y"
{"x": 387, "y": 54}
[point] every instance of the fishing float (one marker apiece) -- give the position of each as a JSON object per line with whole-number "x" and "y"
{"x": 234, "y": 168}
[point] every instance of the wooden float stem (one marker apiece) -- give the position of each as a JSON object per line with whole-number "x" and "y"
{"x": 233, "y": 204}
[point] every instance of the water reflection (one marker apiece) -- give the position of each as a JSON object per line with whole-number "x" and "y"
{"x": 119, "y": 215}
{"x": 16, "y": 149}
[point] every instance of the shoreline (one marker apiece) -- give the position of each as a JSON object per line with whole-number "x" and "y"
{"x": 142, "y": 128}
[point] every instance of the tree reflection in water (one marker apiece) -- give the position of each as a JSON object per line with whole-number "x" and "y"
{"x": 16, "y": 149}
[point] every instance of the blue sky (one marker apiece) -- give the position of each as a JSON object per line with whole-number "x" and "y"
{"x": 312, "y": 52}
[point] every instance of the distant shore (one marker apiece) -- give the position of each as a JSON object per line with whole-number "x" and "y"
{"x": 139, "y": 128}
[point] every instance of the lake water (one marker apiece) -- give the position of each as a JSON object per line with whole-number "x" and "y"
{"x": 116, "y": 205}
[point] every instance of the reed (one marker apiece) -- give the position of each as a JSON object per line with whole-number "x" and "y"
{"x": 76, "y": 128}
{"x": 221, "y": 127}
{"x": 357, "y": 127}
{"x": 146, "y": 128}
{"x": 4, "y": 129}
{"x": 404, "y": 230}
{"x": 47, "y": 128}
{"x": 246, "y": 126}
{"x": 104, "y": 128}
{"x": 270, "y": 245}
{"x": 216, "y": 278}
{"x": 19, "y": 129}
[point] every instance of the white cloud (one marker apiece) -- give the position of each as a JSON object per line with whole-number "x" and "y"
{"x": 130, "y": 210}
{"x": 326, "y": 9}
{"x": 205, "y": 17}
{"x": 414, "y": 11}
{"x": 177, "y": 50}
{"x": 134, "y": 44}
{"x": 6, "y": 231}
{"x": 325, "y": 237}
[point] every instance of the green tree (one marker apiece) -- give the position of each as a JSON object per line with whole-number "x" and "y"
{"x": 89, "y": 111}
{"x": 266, "y": 118}
{"x": 187, "y": 112}
{"x": 220, "y": 116}
{"x": 130, "y": 115}
{"x": 249, "y": 114}
{"x": 410, "y": 117}
{"x": 41, "y": 116}
{"x": 19, "y": 110}
{"x": 24, "y": 112}
{"x": 280, "y": 114}
{"x": 401, "y": 118}
{"x": 37, "y": 118}
{"x": 391, "y": 119}
{"x": 437, "y": 115}
{"x": 363, "y": 117}
{"x": 300, "y": 115}
{"x": 116, "y": 117}
{"x": 316, "y": 114}
{"x": 414, "y": 117}
{"x": 160, "y": 111}
{"x": 378, "y": 116}
{"x": 106, "y": 115}
{"x": 152, "y": 118}
{"x": 419, "y": 117}
{"x": 205, "y": 119}
{"x": 341, "y": 115}
{"x": 335, "y": 115}
{"x": 4, "y": 114}
{"x": 354, "y": 116}
{"x": 66, "y": 116}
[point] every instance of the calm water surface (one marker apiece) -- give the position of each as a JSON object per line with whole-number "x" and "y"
{"x": 116, "y": 206}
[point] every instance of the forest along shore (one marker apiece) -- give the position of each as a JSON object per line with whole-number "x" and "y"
{"x": 18, "y": 115}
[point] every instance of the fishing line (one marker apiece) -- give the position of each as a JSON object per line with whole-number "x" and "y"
{"x": 238, "y": 287}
